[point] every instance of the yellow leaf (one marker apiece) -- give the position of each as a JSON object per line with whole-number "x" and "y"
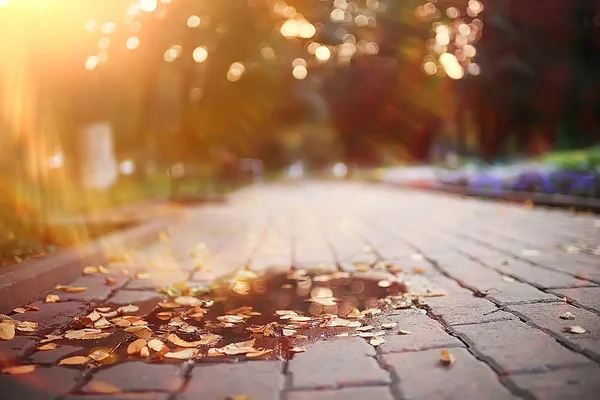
{"x": 46, "y": 347}
{"x": 19, "y": 369}
{"x": 102, "y": 387}
{"x": 110, "y": 281}
{"x": 7, "y": 331}
{"x": 70, "y": 289}
{"x": 297, "y": 350}
{"x": 144, "y": 352}
{"x": 90, "y": 269}
{"x": 259, "y": 353}
{"x": 143, "y": 332}
{"x": 52, "y": 298}
{"x": 135, "y": 346}
{"x": 76, "y": 360}
{"x": 186, "y": 354}
{"x": 99, "y": 355}
{"x": 446, "y": 359}
{"x": 177, "y": 341}
{"x": 156, "y": 345}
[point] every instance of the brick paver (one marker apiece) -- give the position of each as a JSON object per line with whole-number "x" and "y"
{"x": 500, "y": 271}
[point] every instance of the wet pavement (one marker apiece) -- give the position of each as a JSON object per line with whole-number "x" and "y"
{"x": 327, "y": 290}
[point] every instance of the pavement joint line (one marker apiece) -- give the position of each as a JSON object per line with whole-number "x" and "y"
{"x": 576, "y": 303}
{"x": 287, "y": 380}
{"x": 394, "y": 384}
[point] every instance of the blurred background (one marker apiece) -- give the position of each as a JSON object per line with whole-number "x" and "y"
{"x": 107, "y": 103}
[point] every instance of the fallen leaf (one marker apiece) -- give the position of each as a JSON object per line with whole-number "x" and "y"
{"x": 446, "y": 359}
{"x": 507, "y": 279}
{"x": 76, "y": 360}
{"x": 567, "y": 315}
{"x": 144, "y": 352}
{"x": 163, "y": 304}
{"x": 46, "y": 347}
{"x": 289, "y": 332}
{"x": 376, "y": 341}
{"x": 110, "y": 281}
{"x": 142, "y": 275}
{"x": 371, "y": 311}
{"x": 259, "y": 353}
{"x": 164, "y": 316}
{"x": 240, "y": 310}
{"x": 297, "y": 350}
{"x": 99, "y": 355}
{"x": 403, "y": 332}
{"x": 50, "y": 338}
{"x": 90, "y": 269}
{"x": 128, "y": 309}
{"x": 7, "y": 331}
{"x": 214, "y": 353}
{"x": 481, "y": 293}
{"x": 70, "y": 289}
{"x": 155, "y": 345}
{"x": 26, "y": 326}
{"x": 232, "y": 319}
{"x": 86, "y": 334}
{"x": 177, "y": 341}
{"x": 285, "y": 312}
{"x": 19, "y": 369}
{"x": 186, "y": 354}
{"x": 102, "y": 387}
{"x": 384, "y": 283}
{"x": 574, "y": 329}
{"x": 365, "y": 328}
{"x": 418, "y": 270}
{"x": 103, "y": 270}
{"x": 24, "y": 309}
{"x": 136, "y": 346}
{"x": 143, "y": 332}
{"x": 391, "y": 325}
{"x": 354, "y": 313}
{"x": 238, "y": 348}
{"x": 209, "y": 338}
{"x": 52, "y": 298}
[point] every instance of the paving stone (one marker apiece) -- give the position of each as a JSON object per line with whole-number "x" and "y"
{"x": 11, "y": 350}
{"x": 586, "y": 296}
{"x": 336, "y": 363}
{"x": 513, "y": 346}
{"x": 516, "y": 292}
{"x": 547, "y": 317}
{"x": 145, "y": 299}
{"x": 97, "y": 289}
{"x": 359, "y": 393}
{"x": 567, "y": 383}
{"x": 419, "y": 375}
{"x": 255, "y": 379}
{"x": 52, "y": 316}
{"x": 537, "y": 276}
{"x": 425, "y": 333}
{"x": 138, "y": 376}
{"x": 41, "y": 384}
{"x": 121, "y": 396}
{"x": 464, "y": 308}
{"x": 53, "y": 356}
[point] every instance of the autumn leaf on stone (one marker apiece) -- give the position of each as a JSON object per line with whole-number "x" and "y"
{"x": 110, "y": 281}
{"x": 86, "y": 334}
{"x": 76, "y": 360}
{"x": 297, "y": 350}
{"x": 19, "y": 369}
{"x": 403, "y": 332}
{"x": 99, "y": 355}
{"x": 177, "y": 341}
{"x": 354, "y": 313}
{"x": 574, "y": 329}
{"x": 136, "y": 346}
{"x": 142, "y": 275}
{"x": 238, "y": 348}
{"x": 128, "y": 309}
{"x": 92, "y": 269}
{"x": 70, "y": 289}
{"x": 7, "y": 331}
{"x": 186, "y": 354}
{"x": 364, "y": 328}
{"x": 164, "y": 304}
{"x": 50, "y": 338}
{"x": 102, "y": 387}
{"x": 52, "y": 298}
{"x": 232, "y": 319}
{"x": 390, "y": 325}
{"x": 376, "y": 341}
{"x": 164, "y": 316}
{"x": 481, "y": 293}
{"x": 24, "y": 309}
{"x": 155, "y": 345}
{"x": 209, "y": 338}
{"x": 259, "y": 353}
{"x": 47, "y": 347}
{"x": 143, "y": 332}
{"x": 446, "y": 359}
{"x": 567, "y": 315}
{"x": 26, "y": 326}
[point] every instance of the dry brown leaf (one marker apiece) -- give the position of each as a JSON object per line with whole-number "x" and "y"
{"x": 507, "y": 279}
{"x": 164, "y": 316}
{"x": 135, "y": 346}
{"x": 376, "y": 341}
{"x": 86, "y": 334}
{"x": 209, "y": 338}
{"x": 390, "y": 325}
{"x": 103, "y": 309}
{"x": 285, "y": 312}
{"x": 102, "y": 323}
{"x": 297, "y": 350}
{"x": 99, "y": 355}
{"x": 418, "y": 270}
{"x": 110, "y": 281}
{"x": 47, "y": 346}
{"x": 164, "y": 304}
{"x": 102, "y": 387}
{"x": 259, "y": 353}
{"x": 403, "y": 332}
{"x": 90, "y": 269}
{"x": 103, "y": 270}
{"x": 384, "y": 283}
{"x": 299, "y": 318}
{"x": 52, "y": 298}
{"x": 481, "y": 293}
{"x": 567, "y": 315}
{"x": 238, "y": 348}
{"x": 142, "y": 275}
{"x": 446, "y": 359}
{"x": 156, "y": 345}
{"x": 7, "y": 331}
{"x": 19, "y": 369}
{"x": 354, "y": 313}
{"x": 177, "y": 341}
{"x": 289, "y": 332}
{"x": 143, "y": 332}
{"x": 188, "y": 301}
{"x": 574, "y": 329}
{"x": 24, "y": 309}
{"x": 26, "y": 326}
{"x": 186, "y": 354}
{"x": 240, "y": 310}
{"x": 144, "y": 352}
{"x": 371, "y": 311}
{"x": 128, "y": 309}
{"x": 231, "y": 319}
{"x": 50, "y": 338}
{"x": 365, "y": 328}
{"x": 70, "y": 289}
{"x": 76, "y": 360}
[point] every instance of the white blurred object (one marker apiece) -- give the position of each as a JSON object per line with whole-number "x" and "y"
{"x": 99, "y": 163}
{"x": 127, "y": 167}
{"x": 296, "y": 170}
{"x": 340, "y": 170}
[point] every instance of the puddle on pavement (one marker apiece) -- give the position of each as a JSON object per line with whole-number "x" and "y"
{"x": 309, "y": 295}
